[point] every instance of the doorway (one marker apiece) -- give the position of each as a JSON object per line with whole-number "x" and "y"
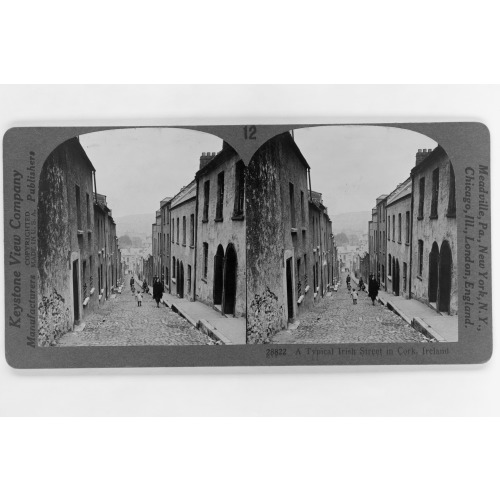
{"x": 218, "y": 275}
{"x": 289, "y": 288}
{"x": 433, "y": 273}
{"x": 230, "y": 271}
{"x": 445, "y": 269}
{"x": 396, "y": 278}
{"x": 180, "y": 281}
{"x": 76, "y": 293}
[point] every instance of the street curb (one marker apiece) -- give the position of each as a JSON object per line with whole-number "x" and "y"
{"x": 212, "y": 332}
{"x": 421, "y": 326}
{"x": 398, "y": 311}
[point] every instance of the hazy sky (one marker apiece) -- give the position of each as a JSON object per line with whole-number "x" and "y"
{"x": 354, "y": 165}
{"x": 351, "y": 166}
{"x": 136, "y": 168}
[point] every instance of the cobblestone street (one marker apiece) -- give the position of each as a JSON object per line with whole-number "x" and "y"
{"x": 337, "y": 320}
{"x": 121, "y": 322}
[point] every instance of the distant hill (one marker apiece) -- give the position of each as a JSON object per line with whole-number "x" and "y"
{"x": 351, "y": 223}
{"x": 134, "y": 225}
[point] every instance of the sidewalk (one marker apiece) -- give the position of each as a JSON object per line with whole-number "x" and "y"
{"x": 231, "y": 331}
{"x": 441, "y": 327}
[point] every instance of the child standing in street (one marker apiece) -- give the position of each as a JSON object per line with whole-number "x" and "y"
{"x": 139, "y": 298}
{"x": 354, "y": 295}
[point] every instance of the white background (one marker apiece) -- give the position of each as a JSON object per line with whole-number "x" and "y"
{"x": 403, "y": 390}
{"x": 251, "y": 42}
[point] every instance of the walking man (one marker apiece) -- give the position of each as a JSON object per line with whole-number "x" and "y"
{"x": 373, "y": 288}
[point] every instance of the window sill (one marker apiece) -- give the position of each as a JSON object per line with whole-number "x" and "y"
{"x": 407, "y": 243}
{"x": 433, "y": 216}
{"x": 419, "y": 277}
{"x": 183, "y": 244}
{"x": 80, "y": 232}
{"x": 204, "y": 280}
{"x": 452, "y": 215}
{"x": 293, "y": 230}
{"x": 238, "y": 217}
{"x": 420, "y": 217}
{"x": 174, "y": 280}
{"x": 204, "y": 220}
{"x": 191, "y": 246}
{"x": 219, "y": 219}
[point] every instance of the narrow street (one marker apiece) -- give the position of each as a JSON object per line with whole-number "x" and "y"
{"x": 337, "y": 320}
{"x": 120, "y": 322}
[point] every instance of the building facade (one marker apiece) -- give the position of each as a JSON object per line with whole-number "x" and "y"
{"x": 434, "y": 233}
{"x": 399, "y": 240}
{"x": 78, "y": 255}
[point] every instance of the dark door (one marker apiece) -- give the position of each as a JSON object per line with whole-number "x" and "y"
{"x": 218, "y": 275}
{"x": 445, "y": 270}
{"x": 76, "y": 289}
{"x": 289, "y": 287}
{"x": 396, "y": 278}
{"x": 230, "y": 267}
{"x": 433, "y": 272}
{"x": 180, "y": 281}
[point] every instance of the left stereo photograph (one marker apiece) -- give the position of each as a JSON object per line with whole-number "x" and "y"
{"x": 132, "y": 226}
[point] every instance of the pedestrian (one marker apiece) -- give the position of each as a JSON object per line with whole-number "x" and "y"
{"x": 158, "y": 290}
{"x": 361, "y": 283}
{"x": 348, "y": 280}
{"x": 373, "y": 288}
{"x": 354, "y": 295}
{"x": 139, "y": 298}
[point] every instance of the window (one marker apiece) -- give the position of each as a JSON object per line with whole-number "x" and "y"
{"x": 177, "y": 230}
{"x": 299, "y": 284}
{"x": 173, "y": 267}
{"x": 173, "y": 229}
{"x": 389, "y": 267}
{"x": 184, "y": 230}
{"x": 302, "y": 210}
{"x": 421, "y": 194}
{"x": 191, "y": 235}
{"x": 206, "y": 198}
{"x": 393, "y": 228}
{"x": 292, "y": 205}
{"x": 78, "y": 208}
{"x": 399, "y": 228}
{"x": 407, "y": 228}
{"x": 88, "y": 211}
{"x": 420, "y": 257}
{"x": 435, "y": 194}
{"x": 389, "y": 228}
{"x": 220, "y": 196}
{"x": 205, "y": 260}
{"x": 383, "y": 273}
{"x": 239, "y": 190}
{"x": 405, "y": 274}
{"x": 452, "y": 204}
{"x": 189, "y": 280}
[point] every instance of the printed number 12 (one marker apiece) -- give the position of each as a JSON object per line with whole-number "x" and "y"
{"x": 250, "y": 132}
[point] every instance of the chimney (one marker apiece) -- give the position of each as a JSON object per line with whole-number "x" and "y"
{"x": 206, "y": 158}
{"x": 421, "y": 155}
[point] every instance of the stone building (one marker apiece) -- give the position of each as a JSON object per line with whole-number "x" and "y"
{"x": 399, "y": 239}
{"x": 182, "y": 213}
{"x": 434, "y": 232}
{"x": 74, "y": 225}
{"x": 164, "y": 247}
{"x": 381, "y": 242}
{"x": 372, "y": 242}
{"x": 289, "y": 240}
{"x": 220, "y": 235}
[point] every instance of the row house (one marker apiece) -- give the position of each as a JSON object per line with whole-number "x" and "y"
{"x": 289, "y": 240}
{"x": 75, "y": 274}
{"x": 416, "y": 257}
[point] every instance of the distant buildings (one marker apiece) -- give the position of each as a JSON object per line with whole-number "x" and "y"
{"x": 79, "y": 261}
{"x": 418, "y": 258}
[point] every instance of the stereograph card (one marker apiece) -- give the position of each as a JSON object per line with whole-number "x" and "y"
{"x": 221, "y": 245}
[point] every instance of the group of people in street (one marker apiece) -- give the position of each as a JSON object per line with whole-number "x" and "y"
{"x": 373, "y": 288}
{"x": 158, "y": 290}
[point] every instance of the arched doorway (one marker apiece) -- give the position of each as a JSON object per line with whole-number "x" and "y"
{"x": 445, "y": 271}
{"x": 218, "y": 275}
{"x": 433, "y": 273}
{"x": 180, "y": 281}
{"x": 230, "y": 268}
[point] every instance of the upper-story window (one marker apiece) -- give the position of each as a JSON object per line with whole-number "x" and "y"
{"x": 302, "y": 209}
{"x": 184, "y": 230}
{"x": 421, "y": 195}
{"x": 399, "y": 228}
{"x": 191, "y": 232}
{"x": 407, "y": 227}
{"x": 435, "y": 193}
{"x": 206, "y": 199}
{"x": 78, "y": 207}
{"x": 292, "y": 205}
{"x": 393, "y": 228}
{"x": 173, "y": 229}
{"x": 177, "y": 230}
{"x": 239, "y": 190}
{"x": 389, "y": 228}
{"x": 220, "y": 197}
